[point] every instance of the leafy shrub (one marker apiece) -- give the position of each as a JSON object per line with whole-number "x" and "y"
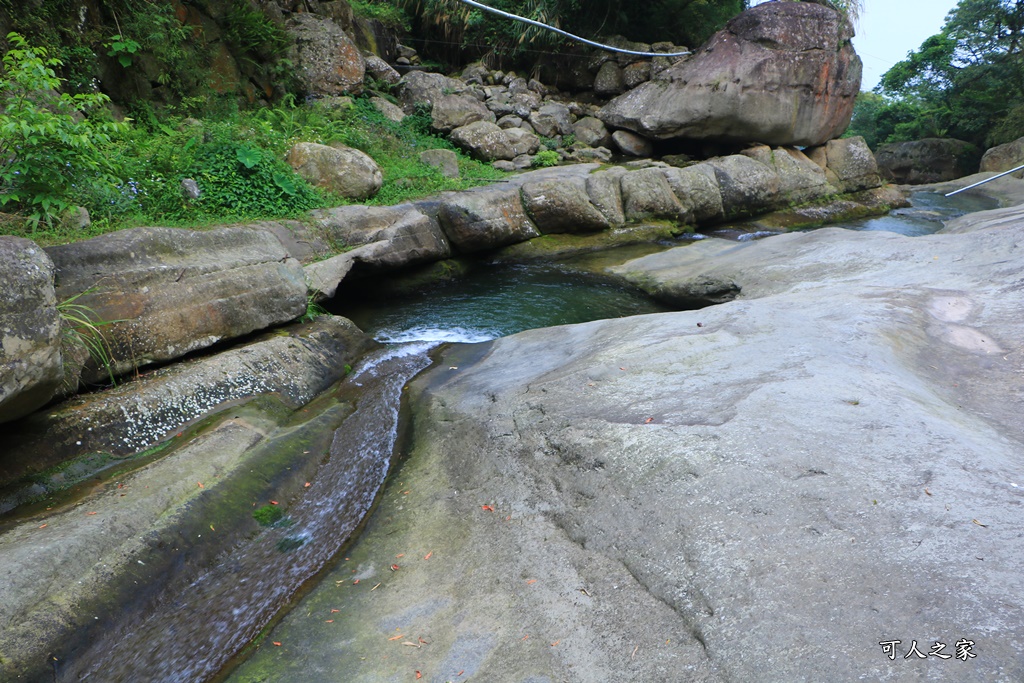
{"x": 545, "y": 158}
{"x": 50, "y": 148}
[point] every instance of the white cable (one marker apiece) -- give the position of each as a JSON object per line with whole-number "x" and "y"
{"x": 516, "y": 17}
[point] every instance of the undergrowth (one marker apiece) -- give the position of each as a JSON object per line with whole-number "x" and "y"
{"x": 133, "y": 173}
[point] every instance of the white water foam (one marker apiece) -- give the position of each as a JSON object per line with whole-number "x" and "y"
{"x": 460, "y": 335}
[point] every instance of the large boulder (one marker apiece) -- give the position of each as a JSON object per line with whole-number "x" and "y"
{"x": 326, "y": 59}
{"x": 848, "y": 163}
{"x": 159, "y": 293}
{"x": 562, "y": 205}
{"x": 454, "y": 111}
{"x": 932, "y": 160}
{"x": 485, "y": 141}
{"x": 1004, "y": 157}
{"x": 423, "y": 89}
{"x": 781, "y": 73}
{"x": 30, "y": 329}
{"x": 485, "y": 219}
{"x": 747, "y": 186}
{"x": 337, "y": 168}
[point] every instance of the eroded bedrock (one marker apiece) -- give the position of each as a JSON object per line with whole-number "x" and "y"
{"x": 762, "y": 490}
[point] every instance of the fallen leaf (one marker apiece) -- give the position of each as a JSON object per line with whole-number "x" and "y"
{"x": 335, "y": 611}
{"x": 44, "y": 526}
{"x": 375, "y": 587}
{"x": 700, "y": 324}
{"x": 531, "y": 581}
{"x": 408, "y": 644}
{"x": 405, "y": 493}
{"x": 329, "y": 621}
{"x": 487, "y": 508}
{"x": 307, "y": 485}
{"x": 200, "y": 484}
{"x": 422, "y": 641}
{"x": 277, "y": 643}
{"x": 273, "y": 502}
{"x": 400, "y": 555}
{"x": 632, "y": 656}
{"x": 397, "y": 637}
{"x": 211, "y": 528}
{"x": 979, "y": 523}
{"x": 419, "y": 675}
{"x": 355, "y": 582}
{"x": 525, "y": 637}
{"x": 88, "y": 513}
{"x": 427, "y": 556}
{"x": 622, "y": 369}
{"x": 648, "y": 420}
{"x": 555, "y": 643}
{"x": 462, "y": 672}
{"x": 395, "y": 567}
{"x": 928, "y": 492}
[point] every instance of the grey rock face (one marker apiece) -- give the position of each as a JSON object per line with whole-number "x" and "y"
{"x": 424, "y": 88}
{"x": 632, "y": 144}
{"x": 562, "y": 205}
{"x": 591, "y": 131}
{"x": 484, "y": 219}
{"x": 718, "y": 473}
{"x": 849, "y": 164}
{"x": 1003, "y": 157}
{"x": 747, "y": 186}
{"x": 609, "y": 80}
{"x": 453, "y": 111}
{"x": 485, "y": 141}
{"x": 552, "y": 119}
{"x": 30, "y": 329}
{"x": 781, "y": 73}
{"x": 931, "y": 160}
{"x": 347, "y": 171}
{"x": 443, "y": 160}
{"x": 388, "y": 109}
{"x": 327, "y": 61}
{"x": 646, "y": 194}
{"x": 169, "y": 291}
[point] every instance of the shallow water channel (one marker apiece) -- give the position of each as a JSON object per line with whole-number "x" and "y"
{"x": 207, "y": 617}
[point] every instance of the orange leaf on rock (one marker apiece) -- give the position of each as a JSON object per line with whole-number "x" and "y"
{"x": 487, "y": 508}
{"x": 427, "y": 556}
{"x": 277, "y": 643}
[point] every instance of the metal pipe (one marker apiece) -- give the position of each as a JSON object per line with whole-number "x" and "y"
{"x": 986, "y": 180}
{"x": 516, "y": 17}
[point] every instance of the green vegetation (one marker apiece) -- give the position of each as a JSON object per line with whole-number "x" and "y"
{"x": 965, "y": 82}
{"x": 268, "y": 515}
{"x": 459, "y": 33}
{"x": 545, "y": 158}
{"x": 60, "y": 150}
{"x": 80, "y": 327}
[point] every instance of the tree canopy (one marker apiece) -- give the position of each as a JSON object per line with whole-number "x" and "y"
{"x": 967, "y": 81}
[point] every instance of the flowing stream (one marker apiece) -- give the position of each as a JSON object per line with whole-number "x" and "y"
{"x": 213, "y": 615}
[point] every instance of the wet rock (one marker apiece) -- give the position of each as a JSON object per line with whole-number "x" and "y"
{"x": 30, "y": 329}
{"x": 780, "y": 73}
{"x": 444, "y": 160}
{"x": 703, "y": 473}
{"x": 605, "y": 192}
{"x": 326, "y": 59}
{"x": 344, "y": 170}
{"x": 485, "y": 141}
{"x": 484, "y": 219}
{"x": 168, "y": 291}
{"x": 562, "y": 205}
{"x": 931, "y": 160}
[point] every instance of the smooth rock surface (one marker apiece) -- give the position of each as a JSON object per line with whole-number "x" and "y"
{"x": 484, "y": 219}
{"x": 781, "y": 73}
{"x": 485, "y": 141}
{"x": 932, "y": 160}
{"x": 349, "y": 172}
{"x": 1003, "y": 158}
{"x": 764, "y": 490}
{"x": 30, "y": 329}
{"x": 167, "y": 291}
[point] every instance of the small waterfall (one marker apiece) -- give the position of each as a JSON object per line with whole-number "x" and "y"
{"x": 197, "y": 627}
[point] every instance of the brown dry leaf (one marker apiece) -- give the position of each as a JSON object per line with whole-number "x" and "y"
{"x": 928, "y": 492}
{"x": 427, "y": 556}
{"x": 397, "y": 637}
{"x": 531, "y": 581}
{"x": 979, "y": 523}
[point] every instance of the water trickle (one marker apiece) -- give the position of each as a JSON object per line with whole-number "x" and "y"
{"x": 202, "y": 620}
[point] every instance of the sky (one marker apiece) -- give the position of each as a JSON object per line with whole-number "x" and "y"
{"x": 889, "y": 29}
